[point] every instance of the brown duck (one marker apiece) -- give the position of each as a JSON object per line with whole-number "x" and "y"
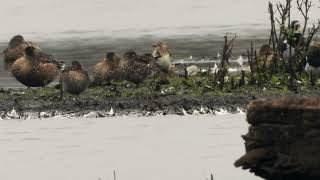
{"x": 162, "y": 54}
{"x": 135, "y": 68}
{"x": 107, "y": 69}
{"x": 265, "y": 56}
{"x": 75, "y": 79}
{"x": 15, "y": 50}
{"x": 35, "y": 68}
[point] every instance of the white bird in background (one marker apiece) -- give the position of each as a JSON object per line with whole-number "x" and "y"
{"x": 313, "y": 58}
{"x": 111, "y": 112}
{"x": 191, "y": 57}
{"x": 240, "y": 61}
{"x": 193, "y": 70}
{"x": 215, "y": 68}
{"x": 218, "y": 55}
{"x": 289, "y": 51}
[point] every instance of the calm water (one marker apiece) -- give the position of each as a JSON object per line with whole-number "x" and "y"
{"x": 157, "y": 148}
{"x": 85, "y": 30}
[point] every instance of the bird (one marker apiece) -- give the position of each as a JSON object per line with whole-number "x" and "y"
{"x": 15, "y": 50}
{"x": 75, "y": 79}
{"x": 162, "y": 54}
{"x": 107, "y": 69}
{"x": 265, "y": 56}
{"x": 192, "y": 70}
{"x": 35, "y": 68}
{"x": 313, "y": 58}
{"x": 293, "y": 40}
{"x": 135, "y": 68}
{"x": 240, "y": 61}
{"x": 215, "y": 68}
{"x": 296, "y": 39}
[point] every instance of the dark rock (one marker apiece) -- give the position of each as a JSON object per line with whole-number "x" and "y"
{"x": 283, "y": 141}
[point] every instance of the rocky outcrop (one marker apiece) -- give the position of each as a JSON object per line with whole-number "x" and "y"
{"x": 283, "y": 141}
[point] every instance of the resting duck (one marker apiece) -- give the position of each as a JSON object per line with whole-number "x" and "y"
{"x": 162, "y": 54}
{"x": 75, "y": 79}
{"x": 265, "y": 56}
{"x": 15, "y": 50}
{"x": 135, "y": 68}
{"x": 107, "y": 69}
{"x": 35, "y": 68}
{"x": 313, "y": 58}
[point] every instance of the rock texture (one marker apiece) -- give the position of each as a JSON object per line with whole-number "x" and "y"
{"x": 283, "y": 141}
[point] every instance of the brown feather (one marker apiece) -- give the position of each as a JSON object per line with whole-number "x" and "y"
{"x": 11, "y": 54}
{"x": 75, "y": 81}
{"x": 107, "y": 70}
{"x": 33, "y": 73}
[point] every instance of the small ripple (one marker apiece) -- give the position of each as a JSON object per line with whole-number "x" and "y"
{"x": 211, "y": 156}
{"x": 17, "y": 132}
{"x": 68, "y": 146}
{"x": 30, "y": 139}
{"x": 16, "y": 151}
{"x": 120, "y": 138}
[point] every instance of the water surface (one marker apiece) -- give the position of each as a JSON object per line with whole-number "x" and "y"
{"x": 137, "y": 148}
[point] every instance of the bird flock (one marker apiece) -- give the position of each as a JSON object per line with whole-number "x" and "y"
{"x": 34, "y": 68}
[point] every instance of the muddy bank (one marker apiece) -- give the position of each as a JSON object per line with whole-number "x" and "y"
{"x": 148, "y": 105}
{"x": 47, "y": 103}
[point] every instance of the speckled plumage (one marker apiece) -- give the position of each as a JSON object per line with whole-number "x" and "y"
{"x": 75, "y": 79}
{"x": 135, "y": 68}
{"x": 107, "y": 69}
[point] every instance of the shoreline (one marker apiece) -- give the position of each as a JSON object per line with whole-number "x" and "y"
{"x": 45, "y": 103}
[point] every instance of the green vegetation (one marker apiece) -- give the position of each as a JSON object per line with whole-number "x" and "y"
{"x": 203, "y": 84}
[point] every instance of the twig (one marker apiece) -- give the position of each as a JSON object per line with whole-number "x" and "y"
{"x": 304, "y": 7}
{"x": 61, "y": 88}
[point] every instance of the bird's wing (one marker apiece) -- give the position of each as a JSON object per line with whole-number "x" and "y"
{"x": 48, "y": 58}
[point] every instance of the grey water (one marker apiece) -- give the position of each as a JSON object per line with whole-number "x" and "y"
{"x": 157, "y": 148}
